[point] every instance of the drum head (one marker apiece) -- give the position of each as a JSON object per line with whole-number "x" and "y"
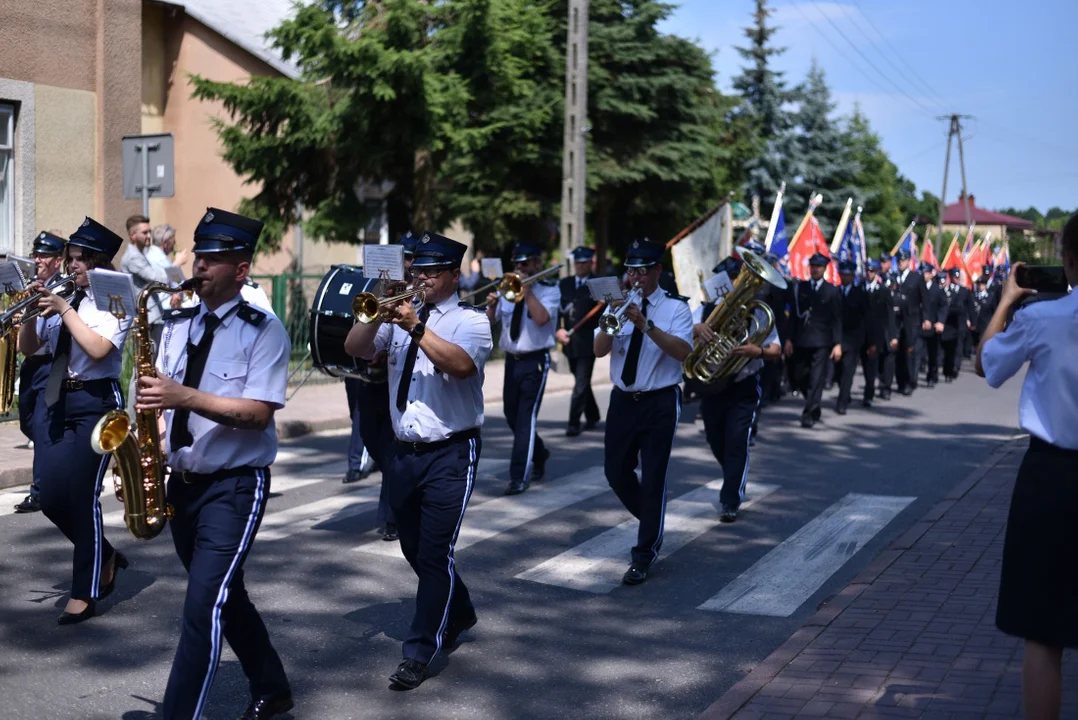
{"x": 331, "y": 320}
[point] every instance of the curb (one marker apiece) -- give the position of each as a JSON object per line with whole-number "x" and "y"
{"x": 741, "y": 692}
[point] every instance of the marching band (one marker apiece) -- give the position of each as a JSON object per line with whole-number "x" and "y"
{"x": 413, "y": 357}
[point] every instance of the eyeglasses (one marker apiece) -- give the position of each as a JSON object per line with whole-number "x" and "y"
{"x": 430, "y": 272}
{"x": 638, "y": 270}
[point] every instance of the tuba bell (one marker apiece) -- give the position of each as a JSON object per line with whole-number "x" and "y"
{"x": 734, "y": 322}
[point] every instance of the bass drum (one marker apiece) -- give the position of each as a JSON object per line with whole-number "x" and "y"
{"x": 332, "y": 319}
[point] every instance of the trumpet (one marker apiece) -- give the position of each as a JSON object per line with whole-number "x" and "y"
{"x": 611, "y": 323}
{"x": 27, "y": 307}
{"x": 511, "y": 285}
{"x": 368, "y": 307}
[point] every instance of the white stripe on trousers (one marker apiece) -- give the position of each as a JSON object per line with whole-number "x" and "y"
{"x": 748, "y": 440}
{"x": 666, "y": 475}
{"x": 222, "y": 594}
{"x": 535, "y": 418}
{"x": 472, "y": 463}
{"x": 99, "y": 526}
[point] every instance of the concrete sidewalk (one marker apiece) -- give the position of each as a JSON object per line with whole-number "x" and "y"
{"x": 912, "y": 636}
{"x": 314, "y": 408}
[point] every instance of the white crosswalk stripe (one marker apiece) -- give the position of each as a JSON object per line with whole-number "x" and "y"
{"x": 789, "y": 575}
{"x": 488, "y": 519}
{"x": 597, "y": 565}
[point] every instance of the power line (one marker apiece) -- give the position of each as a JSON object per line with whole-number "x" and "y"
{"x": 1027, "y": 138}
{"x": 934, "y": 146}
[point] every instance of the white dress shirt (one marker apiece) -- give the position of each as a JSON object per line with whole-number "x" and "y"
{"x": 532, "y": 337}
{"x": 754, "y": 365}
{"x": 655, "y": 369}
{"x": 81, "y": 366}
{"x": 245, "y": 361}
{"x": 438, "y": 404}
{"x": 1046, "y": 334}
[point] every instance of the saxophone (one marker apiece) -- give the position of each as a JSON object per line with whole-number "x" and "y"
{"x": 139, "y": 470}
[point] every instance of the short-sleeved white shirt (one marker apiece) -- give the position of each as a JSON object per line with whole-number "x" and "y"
{"x": 81, "y": 366}
{"x": 655, "y": 369}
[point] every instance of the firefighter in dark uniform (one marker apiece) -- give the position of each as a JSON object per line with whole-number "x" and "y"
{"x": 858, "y": 334}
{"x": 816, "y": 336}
{"x": 882, "y": 335}
{"x": 935, "y": 312}
{"x": 48, "y": 255}
{"x": 910, "y": 295}
{"x": 222, "y": 374}
{"x": 958, "y": 303}
{"x": 771, "y": 375}
{"x": 436, "y": 358}
{"x": 576, "y": 303}
{"x": 645, "y": 367}
{"x": 980, "y": 299}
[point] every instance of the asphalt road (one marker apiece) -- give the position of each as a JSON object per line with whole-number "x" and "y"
{"x": 562, "y": 640}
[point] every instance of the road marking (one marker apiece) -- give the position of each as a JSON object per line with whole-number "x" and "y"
{"x": 493, "y": 517}
{"x": 278, "y": 524}
{"x": 790, "y": 574}
{"x": 597, "y": 565}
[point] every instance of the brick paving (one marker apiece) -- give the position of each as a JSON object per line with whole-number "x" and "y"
{"x": 913, "y": 635}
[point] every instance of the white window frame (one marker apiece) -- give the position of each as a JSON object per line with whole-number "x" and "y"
{"x": 7, "y": 199}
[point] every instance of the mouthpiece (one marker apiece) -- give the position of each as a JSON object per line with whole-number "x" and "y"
{"x": 190, "y": 284}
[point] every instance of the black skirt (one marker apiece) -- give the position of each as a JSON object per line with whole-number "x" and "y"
{"x": 1038, "y": 589}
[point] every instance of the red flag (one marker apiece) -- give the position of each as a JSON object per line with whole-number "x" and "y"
{"x": 954, "y": 259}
{"x": 975, "y": 260}
{"x": 928, "y": 252}
{"x": 804, "y": 246}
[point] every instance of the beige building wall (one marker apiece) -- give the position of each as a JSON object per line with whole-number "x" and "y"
{"x": 174, "y": 47}
{"x": 66, "y": 158}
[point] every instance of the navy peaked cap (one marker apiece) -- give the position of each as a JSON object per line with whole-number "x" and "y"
{"x": 884, "y": 257}
{"x": 223, "y": 231}
{"x": 820, "y": 259}
{"x": 432, "y": 250}
{"x": 409, "y": 241}
{"x": 523, "y": 252}
{"x": 643, "y": 253}
{"x": 48, "y": 244}
{"x": 583, "y": 254}
{"x": 873, "y": 265}
{"x": 92, "y": 235}
{"x": 903, "y": 255}
{"x": 927, "y": 267}
{"x": 847, "y": 267}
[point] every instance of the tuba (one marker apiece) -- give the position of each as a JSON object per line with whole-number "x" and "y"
{"x": 734, "y": 322}
{"x": 139, "y": 471}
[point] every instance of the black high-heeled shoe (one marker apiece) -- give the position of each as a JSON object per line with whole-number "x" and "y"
{"x": 67, "y": 618}
{"x": 120, "y": 563}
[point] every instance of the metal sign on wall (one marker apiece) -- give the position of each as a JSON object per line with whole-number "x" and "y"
{"x": 149, "y": 168}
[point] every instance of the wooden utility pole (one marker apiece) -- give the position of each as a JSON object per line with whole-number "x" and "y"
{"x": 955, "y": 130}
{"x": 574, "y": 165}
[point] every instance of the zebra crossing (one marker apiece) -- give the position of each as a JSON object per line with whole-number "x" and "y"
{"x": 776, "y": 585}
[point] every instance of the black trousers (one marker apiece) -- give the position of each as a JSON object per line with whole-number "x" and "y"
{"x": 371, "y": 402}
{"x": 213, "y": 528}
{"x": 967, "y": 344}
{"x": 846, "y": 370}
{"x": 906, "y": 362}
{"x": 33, "y": 377}
{"x": 811, "y": 369}
{"x": 522, "y": 394}
{"x": 870, "y": 366}
{"x": 931, "y": 349}
{"x": 69, "y": 474}
{"x": 885, "y": 365}
{"x": 728, "y": 419}
{"x": 640, "y": 429}
{"x": 430, "y": 492}
{"x": 952, "y": 361}
{"x": 583, "y": 399}
{"x": 771, "y": 381}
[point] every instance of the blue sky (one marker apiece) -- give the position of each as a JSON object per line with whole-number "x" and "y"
{"x": 1011, "y": 65}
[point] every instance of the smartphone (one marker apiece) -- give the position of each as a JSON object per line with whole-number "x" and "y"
{"x": 1042, "y": 278}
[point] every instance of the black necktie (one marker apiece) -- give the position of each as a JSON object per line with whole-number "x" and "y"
{"x": 409, "y": 364}
{"x": 628, "y": 372}
{"x": 196, "y": 364}
{"x": 58, "y": 371}
{"x": 518, "y": 315}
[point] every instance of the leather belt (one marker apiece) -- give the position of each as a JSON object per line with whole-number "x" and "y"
{"x": 71, "y": 384}
{"x": 528, "y": 355}
{"x": 639, "y": 395}
{"x": 425, "y": 447}
{"x": 192, "y": 478}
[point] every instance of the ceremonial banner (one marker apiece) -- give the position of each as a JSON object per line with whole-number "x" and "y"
{"x": 805, "y": 245}
{"x": 699, "y": 250}
{"x": 954, "y": 259}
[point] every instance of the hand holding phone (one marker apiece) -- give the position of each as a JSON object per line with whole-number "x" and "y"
{"x": 1042, "y": 278}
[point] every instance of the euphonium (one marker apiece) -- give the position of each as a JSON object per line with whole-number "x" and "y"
{"x": 733, "y": 321}
{"x": 140, "y": 466}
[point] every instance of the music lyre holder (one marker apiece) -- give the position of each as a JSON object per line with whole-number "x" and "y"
{"x": 117, "y": 307}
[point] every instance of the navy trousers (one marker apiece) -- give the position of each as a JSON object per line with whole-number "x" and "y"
{"x": 376, "y": 432}
{"x": 885, "y": 366}
{"x": 582, "y": 401}
{"x": 812, "y": 364}
{"x": 906, "y": 361}
{"x": 429, "y": 494}
{"x": 213, "y": 527}
{"x": 522, "y": 393}
{"x": 640, "y": 430}
{"x": 33, "y": 376}
{"x": 357, "y": 451}
{"x": 728, "y": 419}
{"x": 70, "y": 473}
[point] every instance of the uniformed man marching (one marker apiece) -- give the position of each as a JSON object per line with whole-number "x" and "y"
{"x": 857, "y": 333}
{"x": 436, "y": 358}
{"x": 222, "y": 373}
{"x": 816, "y": 335}
{"x": 48, "y": 255}
{"x": 958, "y": 309}
{"x": 910, "y": 296}
{"x": 935, "y": 312}
{"x": 645, "y": 368}
{"x": 576, "y": 303}
{"x": 882, "y": 334}
{"x": 527, "y": 335}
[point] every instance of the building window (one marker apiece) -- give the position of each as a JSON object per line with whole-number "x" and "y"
{"x": 7, "y": 181}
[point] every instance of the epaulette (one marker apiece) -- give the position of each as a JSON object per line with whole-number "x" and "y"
{"x": 548, "y": 282}
{"x": 251, "y": 283}
{"x": 250, "y": 314}
{"x": 469, "y": 306}
{"x": 180, "y": 313}
{"x": 675, "y": 296}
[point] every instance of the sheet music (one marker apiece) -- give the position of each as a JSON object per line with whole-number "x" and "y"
{"x": 175, "y": 275}
{"x": 491, "y": 268}
{"x": 26, "y": 266}
{"x": 606, "y": 289}
{"x": 11, "y": 279}
{"x": 113, "y": 292}
{"x": 717, "y": 286}
{"x": 387, "y": 259}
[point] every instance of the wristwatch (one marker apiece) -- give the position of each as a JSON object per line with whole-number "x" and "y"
{"x": 417, "y": 331}
{"x": 649, "y": 327}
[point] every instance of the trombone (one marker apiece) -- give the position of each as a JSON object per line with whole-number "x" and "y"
{"x": 511, "y": 285}
{"x": 368, "y": 307}
{"x": 611, "y": 323}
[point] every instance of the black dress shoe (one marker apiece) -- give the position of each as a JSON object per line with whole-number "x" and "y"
{"x": 269, "y": 706}
{"x": 635, "y": 575}
{"x": 907, "y": 391}
{"x": 840, "y": 409}
{"x": 410, "y": 674}
{"x": 352, "y": 476}
{"x": 866, "y": 403}
{"x": 67, "y": 618}
{"x": 807, "y": 421}
{"x": 591, "y": 424}
{"x": 539, "y": 471}
{"x": 29, "y": 505}
{"x": 729, "y": 514}
{"x": 455, "y": 629}
{"x": 572, "y": 431}
{"x": 885, "y": 394}
{"x": 931, "y": 383}
{"x": 389, "y": 533}
{"x": 120, "y": 563}
{"x": 516, "y": 487}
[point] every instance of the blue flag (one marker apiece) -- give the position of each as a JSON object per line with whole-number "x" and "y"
{"x": 779, "y": 245}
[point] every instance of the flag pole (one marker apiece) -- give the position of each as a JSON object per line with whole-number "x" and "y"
{"x": 774, "y": 216}
{"x": 909, "y": 229}
{"x": 813, "y": 204}
{"x": 840, "y": 229}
